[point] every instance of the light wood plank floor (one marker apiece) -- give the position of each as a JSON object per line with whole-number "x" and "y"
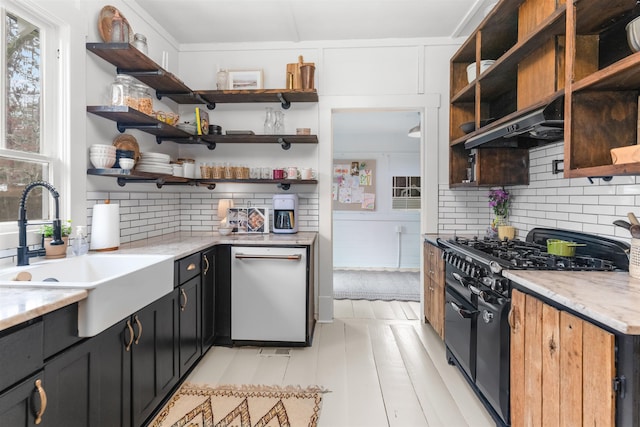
{"x": 381, "y": 365}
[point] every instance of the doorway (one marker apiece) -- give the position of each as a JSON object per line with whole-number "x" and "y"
{"x": 376, "y": 243}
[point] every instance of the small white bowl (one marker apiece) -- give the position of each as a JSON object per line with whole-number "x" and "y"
{"x": 484, "y": 65}
{"x": 102, "y": 162}
{"x": 633, "y": 34}
{"x": 126, "y": 164}
{"x": 225, "y": 231}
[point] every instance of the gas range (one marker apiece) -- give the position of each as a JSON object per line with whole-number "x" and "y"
{"x": 596, "y": 254}
{"x": 477, "y": 333}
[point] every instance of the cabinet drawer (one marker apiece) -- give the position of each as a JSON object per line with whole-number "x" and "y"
{"x": 20, "y": 353}
{"x": 188, "y": 267}
{"x": 60, "y": 329}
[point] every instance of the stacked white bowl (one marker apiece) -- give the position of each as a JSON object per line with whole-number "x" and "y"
{"x": 102, "y": 156}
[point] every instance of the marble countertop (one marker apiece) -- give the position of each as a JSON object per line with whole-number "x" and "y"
{"x": 183, "y": 244}
{"x": 610, "y": 298}
{"x": 19, "y": 304}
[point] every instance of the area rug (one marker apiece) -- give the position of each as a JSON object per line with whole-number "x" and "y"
{"x": 376, "y": 285}
{"x": 197, "y": 405}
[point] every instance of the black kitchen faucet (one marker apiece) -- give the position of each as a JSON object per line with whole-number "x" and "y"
{"x": 24, "y": 253}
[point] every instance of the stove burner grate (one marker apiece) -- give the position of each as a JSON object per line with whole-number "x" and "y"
{"x": 529, "y": 255}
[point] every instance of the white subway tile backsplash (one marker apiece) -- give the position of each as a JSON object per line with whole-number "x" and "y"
{"x": 550, "y": 200}
{"x": 144, "y": 215}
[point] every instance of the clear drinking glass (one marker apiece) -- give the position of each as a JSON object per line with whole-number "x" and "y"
{"x": 269, "y": 122}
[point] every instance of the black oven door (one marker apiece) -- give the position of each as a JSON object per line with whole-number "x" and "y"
{"x": 492, "y": 358}
{"x": 459, "y": 331}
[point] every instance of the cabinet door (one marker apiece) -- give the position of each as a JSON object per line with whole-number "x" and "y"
{"x": 190, "y": 334}
{"x": 20, "y": 404}
{"x": 434, "y": 280}
{"x": 437, "y": 300}
{"x": 71, "y": 387}
{"x": 208, "y": 298}
{"x": 113, "y": 367}
{"x": 561, "y": 367}
{"x": 154, "y": 355}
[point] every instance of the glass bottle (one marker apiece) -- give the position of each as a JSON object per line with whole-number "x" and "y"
{"x": 119, "y": 29}
{"x": 140, "y": 43}
{"x": 279, "y": 124}
{"x": 79, "y": 245}
{"x": 269, "y": 122}
{"x": 121, "y": 91}
{"x": 221, "y": 79}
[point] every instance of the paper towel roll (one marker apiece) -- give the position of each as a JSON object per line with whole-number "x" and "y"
{"x": 105, "y": 227}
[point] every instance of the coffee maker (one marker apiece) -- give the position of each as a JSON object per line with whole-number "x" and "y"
{"x": 285, "y": 213}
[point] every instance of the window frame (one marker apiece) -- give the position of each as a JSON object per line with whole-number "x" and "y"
{"x": 405, "y": 199}
{"x": 53, "y": 102}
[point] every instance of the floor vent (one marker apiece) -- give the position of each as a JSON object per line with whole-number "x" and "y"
{"x": 275, "y": 352}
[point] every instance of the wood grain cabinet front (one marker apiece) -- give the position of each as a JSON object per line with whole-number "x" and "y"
{"x": 434, "y": 287}
{"x": 561, "y": 367}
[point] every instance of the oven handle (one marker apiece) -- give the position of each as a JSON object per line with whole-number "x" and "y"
{"x": 483, "y": 295}
{"x": 463, "y": 280}
{"x": 465, "y": 314}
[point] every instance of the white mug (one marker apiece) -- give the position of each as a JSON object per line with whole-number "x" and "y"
{"x": 265, "y": 173}
{"x": 292, "y": 172}
{"x": 307, "y": 173}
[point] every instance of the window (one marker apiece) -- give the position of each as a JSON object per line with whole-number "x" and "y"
{"x": 25, "y": 155}
{"x": 406, "y": 192}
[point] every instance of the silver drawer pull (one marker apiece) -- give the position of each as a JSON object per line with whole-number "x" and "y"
{"x": 285, "y": 257}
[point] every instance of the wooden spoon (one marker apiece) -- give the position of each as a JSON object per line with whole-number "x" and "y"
{"x": 635, "y": 231}
{"x": 632, "y": 219}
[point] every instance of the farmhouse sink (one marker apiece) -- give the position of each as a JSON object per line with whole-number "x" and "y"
{"x": 118, "y": 285}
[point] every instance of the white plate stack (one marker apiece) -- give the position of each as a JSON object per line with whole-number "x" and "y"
{"x": 154, "y": 163}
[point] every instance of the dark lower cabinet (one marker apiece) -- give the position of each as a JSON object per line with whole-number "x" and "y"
{"x": 20, "y": 403}
{"x": 189, "y": 315}
{"x": 70, "y": 385}
{"x": 113, "y": 375}
{"x": 208, "y": 298}
{"x": 154, "y": 356}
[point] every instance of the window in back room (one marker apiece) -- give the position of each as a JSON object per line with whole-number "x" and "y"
{"x": 406, "y": 192}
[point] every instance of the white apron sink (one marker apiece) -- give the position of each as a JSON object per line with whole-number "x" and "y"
{"x": 118, "y": 285}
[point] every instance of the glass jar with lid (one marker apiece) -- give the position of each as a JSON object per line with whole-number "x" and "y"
{"x": 145, "y": 102}
{"x": 121, "y": 91}
{"x": 140, "y": 43}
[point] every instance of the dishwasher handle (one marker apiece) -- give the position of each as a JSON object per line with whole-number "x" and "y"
{"x": 257, "y": 256}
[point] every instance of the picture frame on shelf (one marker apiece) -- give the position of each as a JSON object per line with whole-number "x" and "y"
{"x": 249, "y": 219}
{"x": 245, "y": 79}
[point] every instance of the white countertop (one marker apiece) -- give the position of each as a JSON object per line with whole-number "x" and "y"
{"x": 20, "y": 304}
{"x": 611, "y": 298}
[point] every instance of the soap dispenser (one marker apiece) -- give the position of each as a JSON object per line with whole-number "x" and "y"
{"x": 80, "y": 246}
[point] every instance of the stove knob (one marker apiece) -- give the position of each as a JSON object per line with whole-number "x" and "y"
{"x": 487, "y": 316}
{"x": 499, "y": 285}
{"x": 495, "y": 267}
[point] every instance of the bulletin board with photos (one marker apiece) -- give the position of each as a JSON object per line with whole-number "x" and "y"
{"x": 353, "y": 187}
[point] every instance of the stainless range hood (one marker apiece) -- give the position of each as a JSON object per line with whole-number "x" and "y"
{"x": 541, "y": 125}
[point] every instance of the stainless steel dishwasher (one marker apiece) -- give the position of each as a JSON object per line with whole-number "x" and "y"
{"x": 268, "y": 293}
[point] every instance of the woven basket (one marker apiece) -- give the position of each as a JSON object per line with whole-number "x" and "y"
{"x": 634, "y": 259}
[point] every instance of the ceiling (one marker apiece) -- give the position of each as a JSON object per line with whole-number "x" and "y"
{"x": 232, "y": 21}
